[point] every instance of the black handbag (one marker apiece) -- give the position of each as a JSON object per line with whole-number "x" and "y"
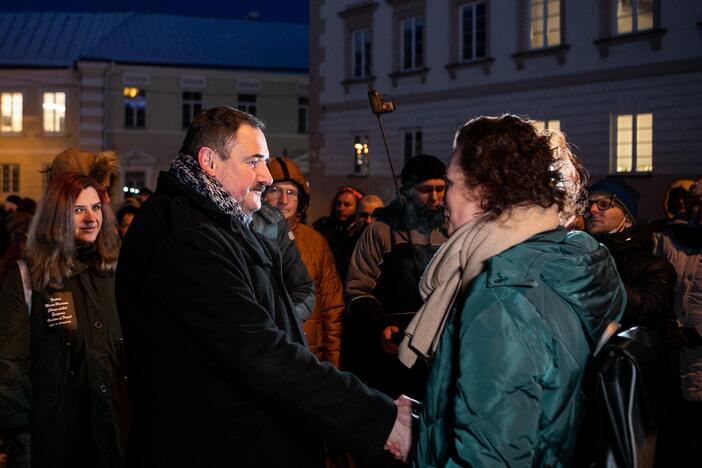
{"x": 624, "y": 400}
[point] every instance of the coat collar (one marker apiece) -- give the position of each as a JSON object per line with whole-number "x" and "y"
{"x": 250, "y": 240}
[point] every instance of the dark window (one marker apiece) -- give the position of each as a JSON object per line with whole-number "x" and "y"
{"x": 247, "y": 103}
{"x": 361, "y": 53}
{"x": 302, "y": 114}
{"x": 473, "y": 31}
{"x": 413, "y": 144}
{"x": 412, "y": 43}
{"x": 192, "y": 105}
{"x": 10, "y": 178}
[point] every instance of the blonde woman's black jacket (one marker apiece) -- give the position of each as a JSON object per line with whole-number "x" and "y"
{"x": 66, "y": 386}
{"x": 220, "y": 374}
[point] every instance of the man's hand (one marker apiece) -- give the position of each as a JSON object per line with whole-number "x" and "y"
{"x": 386, "y": 339}
{"x": 399, "y": 441}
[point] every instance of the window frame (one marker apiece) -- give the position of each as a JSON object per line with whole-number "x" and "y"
{"x": 416, "y": 146}
{"x": 610, "y": 37}
{"x": 10, "y": 172}
{"x": 544, "y": 24}
{"x": 361, "y": 160}
{"x": 460, "y": 31}
{"x": 634, "y": 143}
{"x": 634, "y": 18}
{"x": 415, "y": 50}
{"x": 357, "y": 17}
{"x": 303, "y": 115}
{"x": 140, "y": 97}
{"x": 19, "y": 120}
{"x": 62, "y": 130}
{"x": 191, "y": 105}
{"x": 245, "y": 103}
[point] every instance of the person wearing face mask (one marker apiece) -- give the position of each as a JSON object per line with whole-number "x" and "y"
{"x": 649, "y": 280}
{"x": 58, "y": 312}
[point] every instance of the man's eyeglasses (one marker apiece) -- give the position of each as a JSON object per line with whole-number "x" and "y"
{"x": 277, "y": 192}
{"x": 603, "y": 203}
{"x": 429, "y": 189}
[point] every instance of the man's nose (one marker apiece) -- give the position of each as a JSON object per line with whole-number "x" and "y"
{"x": 283, "y": 197}
{"x": 263, "y": 175}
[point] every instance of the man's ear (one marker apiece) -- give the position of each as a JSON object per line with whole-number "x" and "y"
{"x": 206, "y": 160}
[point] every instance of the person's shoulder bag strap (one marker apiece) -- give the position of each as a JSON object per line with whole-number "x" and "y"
{"x": 26, "y": 284}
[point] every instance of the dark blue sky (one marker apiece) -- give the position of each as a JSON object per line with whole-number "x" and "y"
{"x": 269, "y": 10}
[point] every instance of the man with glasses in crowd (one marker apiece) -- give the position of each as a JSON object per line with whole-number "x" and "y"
{"x": 649, "y": 280}
{"x": 289, "y": 193}
{"x": 382, "y": 286}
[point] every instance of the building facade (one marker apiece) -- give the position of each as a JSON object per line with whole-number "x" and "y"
{"x": 622, "y": 78}
{"x": 132, "y": 83}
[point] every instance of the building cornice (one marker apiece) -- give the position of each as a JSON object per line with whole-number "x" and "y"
{"x": 507, "y": 87}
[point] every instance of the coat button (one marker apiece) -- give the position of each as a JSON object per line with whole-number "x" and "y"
{"x": 103, "y": 388}
{"x": 98, "y": 324}
{"x": 50, "y": 398}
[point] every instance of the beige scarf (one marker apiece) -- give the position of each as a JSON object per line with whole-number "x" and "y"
{"x": 458, "y": 262}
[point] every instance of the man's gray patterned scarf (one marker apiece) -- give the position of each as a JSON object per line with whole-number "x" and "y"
{"x": 188, "y": 172}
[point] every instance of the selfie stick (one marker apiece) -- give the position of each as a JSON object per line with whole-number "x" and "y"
{"x": 379, "y": 106}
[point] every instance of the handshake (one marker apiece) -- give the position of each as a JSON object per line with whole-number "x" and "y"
{"x": 399, "y": 441}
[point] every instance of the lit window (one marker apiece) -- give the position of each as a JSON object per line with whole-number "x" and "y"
{"x": 413, "y": 144}
{"x": 11, "y": 113}
{"x": 10, "y": 178}
{"x": 633, "y": 15}
{"x": 360, "y": 154}
{"x": 633, "y": 142}
{"x": 192, "y": 105}
{"x": 303, "y": 109}
{"x": 473, "y": 27}
{"x": 545, "y": 23}
{"x": 412, "y": 43}
{"x": 361, "y": 53}
{"x": 547, "y": 124}
{"x": 134, "y": 108}
{"x": 247, "y": 103}
{"x": 54, "y": 106}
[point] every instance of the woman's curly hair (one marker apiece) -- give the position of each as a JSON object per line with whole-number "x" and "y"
{"x": 511, "y": 163}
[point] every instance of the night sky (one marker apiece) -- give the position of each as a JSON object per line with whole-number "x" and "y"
{"x": 269, "y": 10}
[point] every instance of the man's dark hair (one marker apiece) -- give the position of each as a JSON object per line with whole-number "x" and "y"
{"x": 215, "y": 128}
{"x": 509, "y": 162}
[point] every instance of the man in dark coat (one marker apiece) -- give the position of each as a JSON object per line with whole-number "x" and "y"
{"x": 649, "y": 280}
{"x": 219, "y": 371}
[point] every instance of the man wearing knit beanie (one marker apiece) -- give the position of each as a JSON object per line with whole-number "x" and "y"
{"x": 382, "y": 286}
{"x": 649, "y": 280}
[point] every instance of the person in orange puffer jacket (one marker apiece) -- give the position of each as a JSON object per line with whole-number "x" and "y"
{"x": 290, "y": 194}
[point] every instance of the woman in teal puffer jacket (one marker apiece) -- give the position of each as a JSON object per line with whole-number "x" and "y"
{"x": 513, "y": 303}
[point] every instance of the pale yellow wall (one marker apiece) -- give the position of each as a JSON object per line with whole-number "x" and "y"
{"x": 276, "y": 105}
{"x": 32, "y": 148}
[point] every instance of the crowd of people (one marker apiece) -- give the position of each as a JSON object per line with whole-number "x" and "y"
{"x": 207, "y": 324}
